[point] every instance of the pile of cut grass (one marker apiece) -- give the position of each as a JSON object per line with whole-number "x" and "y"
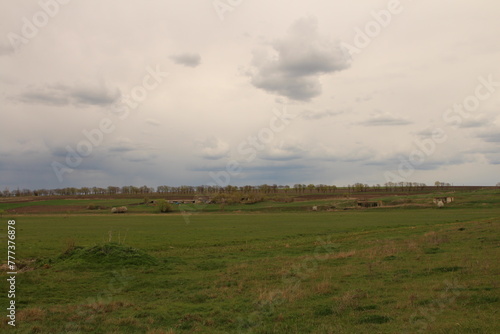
{"x": 107, "y": 254}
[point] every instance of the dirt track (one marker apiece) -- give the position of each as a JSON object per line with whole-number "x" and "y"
{"x": 47, "y": 209}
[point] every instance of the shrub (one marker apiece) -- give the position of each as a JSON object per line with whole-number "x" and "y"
{"x": 120, "y": 209}
{"x": 163, "y": 206}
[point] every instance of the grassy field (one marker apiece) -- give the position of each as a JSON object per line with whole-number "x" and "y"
{"x": 402, "y": 269}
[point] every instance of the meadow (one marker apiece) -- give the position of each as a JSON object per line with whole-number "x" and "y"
{"x": 264, "y": 268}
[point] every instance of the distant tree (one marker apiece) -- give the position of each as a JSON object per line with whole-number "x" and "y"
{"x": 163, "y": 206}
{"x": 360, "y": 187}
{"x": 264, "y": 188}
{"x": 113, "y": 190}
{"x": 85, "y": 190}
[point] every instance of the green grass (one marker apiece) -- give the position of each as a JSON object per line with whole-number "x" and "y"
{"x": 63, "y": 202}
{"x": 479, "y": 199}
{"x": 388, "y": 270}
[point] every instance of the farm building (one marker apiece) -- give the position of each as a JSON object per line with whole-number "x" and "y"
{"x": 443, "y": 200}
{"x": 203, "y": 200}
{"x": 368, "y": 204}
{"x": 182, "y": 201}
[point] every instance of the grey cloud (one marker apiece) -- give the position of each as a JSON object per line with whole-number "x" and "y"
{"x": 359, "y": 154}
{"x": 430, "y": 163}
{"x": 127, "y": 150}
{"x": 384, "y": 119}
{"x": 126, "y": 145}
{"x": 294, "y": 65}
{"x": 61, "y": 94}
{"x": 363, "y": 99}
{"x": 121, "y": 148}
{"x": 152, "y": 122}
{"x": 59, "y": 152}
{"x": 312, "y": 115}
{"x": 493, "y": 158}
{"x": 491, "y": 153}
{"x": 94, "y": 96}
{"x": 474, "y": 123}
{"x": 425, "y": 133}
{"x": 272, "y": 166}
{"x": 490, "y": 137}
{"x": 139, "y": 156}
{"x": 283, "y": 153}
{"x": 45, "y": 95}
{"x": 271, "y": 172}
{"x": 6, "y": 49}
{"x": 187, "y": 59}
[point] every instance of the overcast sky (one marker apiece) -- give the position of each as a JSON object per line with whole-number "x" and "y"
{"x": 98, "y": 93}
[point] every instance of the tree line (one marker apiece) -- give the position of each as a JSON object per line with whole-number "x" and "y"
{"x": 213, "y": 189}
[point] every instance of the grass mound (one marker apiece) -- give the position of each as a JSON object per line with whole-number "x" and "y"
{"x": 108, "y": 254}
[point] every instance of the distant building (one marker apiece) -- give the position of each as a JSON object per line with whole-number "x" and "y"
{"x": 182, "y": 201}
{"x": 203, "y": 200}
{"x": 369, "y": 204}
{"x": 443, "y": 200}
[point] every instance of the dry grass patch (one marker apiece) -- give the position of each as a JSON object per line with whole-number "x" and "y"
{"x": 161, "y": 331}
{"x": 100, "y": 307}
{"x": 289, "y": 293}
{"x": 342, "y": 255}
{"x": 131, "y": 322}
{"x": 30, "y": 314}
{"x": 292, "y": 293}
{"x": 387, "y": 248}
{"x": 323, "y": 288}
{"x": 435, "y": 238}
{"x": 349, "y": 300}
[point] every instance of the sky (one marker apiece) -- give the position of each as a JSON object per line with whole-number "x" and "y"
{"x": 171, "y": 92}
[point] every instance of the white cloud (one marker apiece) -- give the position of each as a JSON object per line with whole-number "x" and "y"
{"x": 293, "y": 65}
{"x": 68, "y": 77}
{"x": 213, "y": 148}
{"x": 284, "y": 151}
